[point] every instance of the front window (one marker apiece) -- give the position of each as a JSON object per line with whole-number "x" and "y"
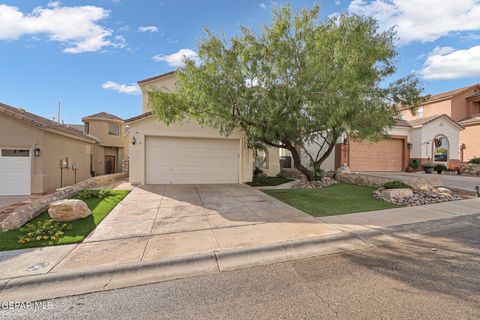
{"x": 15, "y": 153}
{"x": 113, "y": 129}
{"x": 86, "y": 128}
{"x": 440, "y": 149}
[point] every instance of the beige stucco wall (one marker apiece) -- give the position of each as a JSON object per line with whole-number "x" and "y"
{"x": 189, "y": 129}
{"x": 53, "y": 147}
{"x": 431, "y": 109}
{"x": 107, "y": 144}
{"x": 471, "y": 138}
{"x": 166, "y": 84}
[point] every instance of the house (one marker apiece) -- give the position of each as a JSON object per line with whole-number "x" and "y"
{"x": 415, "y": 142}
{"x": 463, "y": 106}
{"x": 111, "y": 148}
{"x": 38, "y": 155}
{"x": 187, "y": 153}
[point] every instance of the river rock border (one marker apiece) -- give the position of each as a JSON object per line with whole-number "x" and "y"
{"x": 23, "y": 214}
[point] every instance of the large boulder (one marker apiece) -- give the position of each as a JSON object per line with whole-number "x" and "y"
{"x": 68, "y": 210}
{"x": 396, "y": 194}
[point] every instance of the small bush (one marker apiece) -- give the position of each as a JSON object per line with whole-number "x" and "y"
{"x": 257, "y": 171}
{"x": 42, "y": 231}
{"x": 440, "y": 168}
{"x": 319, "y": 174}
{"x": 89, "y": 194}
{"x": 474, "y": 160}
{"x": 396, "y": 185}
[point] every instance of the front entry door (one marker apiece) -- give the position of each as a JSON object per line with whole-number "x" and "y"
{"x": 109, "y": 164}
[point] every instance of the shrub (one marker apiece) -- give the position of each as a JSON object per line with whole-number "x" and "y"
{"x": 396, "y": 185}
{"x": 257, "y": 171}
{"x": 42, "y": 231}
{"x": 474, "y": 160}
{"x": 440, "y": 168}
{"x": 258, "y": 180}
{"x": 319, "y": 174}
{"x": 89, "y": 194}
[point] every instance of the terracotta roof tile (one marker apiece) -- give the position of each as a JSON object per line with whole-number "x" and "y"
{"x": 102, "y": 116}
{"x": 40, "y": 122}
{"x": 140, "y": 116}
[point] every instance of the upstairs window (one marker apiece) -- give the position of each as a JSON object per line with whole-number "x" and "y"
{"x": 86, "y": 128}
{"x": 113, "y": 129}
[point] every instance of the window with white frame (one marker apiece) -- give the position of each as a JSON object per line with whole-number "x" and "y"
{"x": 113, "y": 129}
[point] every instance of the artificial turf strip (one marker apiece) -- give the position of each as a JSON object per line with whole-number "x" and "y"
{"x": 81, "y": 228}
{"x": 334, "y": 200}
{"x": 269, "y": 181}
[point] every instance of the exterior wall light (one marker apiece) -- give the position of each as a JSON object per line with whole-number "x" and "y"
{"x": 134, "y": 140}
{"x": 345, "y": 140}
{"x": 36, "y": 152}
{"x": 409, "y": 145}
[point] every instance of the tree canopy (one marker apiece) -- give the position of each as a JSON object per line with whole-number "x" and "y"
{"x": 299, "y": 81}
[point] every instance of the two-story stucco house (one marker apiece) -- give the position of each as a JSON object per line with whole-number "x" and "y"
{"x": 112, "y": 147}
{"x": 187, "y": 153}
{"x": 463, "y": 106}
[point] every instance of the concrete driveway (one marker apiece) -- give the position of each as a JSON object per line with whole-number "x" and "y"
{"x": 163, "y": 221}
{"x": 467, "y": 183}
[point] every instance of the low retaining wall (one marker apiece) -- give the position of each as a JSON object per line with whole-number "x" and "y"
{"x": 22, "y": 215}
{"x": 374, "y": 181}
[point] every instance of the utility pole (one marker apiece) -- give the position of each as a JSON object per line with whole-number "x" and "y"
{"x": 58, "y": 119}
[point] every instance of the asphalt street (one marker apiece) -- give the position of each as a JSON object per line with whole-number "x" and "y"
{"x": 431, "y": 278}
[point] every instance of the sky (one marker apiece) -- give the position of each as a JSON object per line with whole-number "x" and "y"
{"x": 89, "y": 54}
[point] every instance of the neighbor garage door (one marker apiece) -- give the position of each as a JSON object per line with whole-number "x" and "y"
{"x": 15, "y": 173}
{"x": 191, "y": 160}
{"x": 386, "y": 155}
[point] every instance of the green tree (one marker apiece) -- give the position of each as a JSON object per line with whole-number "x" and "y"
{"x": 299, "y": 81}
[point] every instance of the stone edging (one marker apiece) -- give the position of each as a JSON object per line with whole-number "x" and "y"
{"x": 23, "y": 214}
{"x": 374, "y": 181}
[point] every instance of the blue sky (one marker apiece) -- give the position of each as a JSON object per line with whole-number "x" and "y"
{"x": 90, "y": 54}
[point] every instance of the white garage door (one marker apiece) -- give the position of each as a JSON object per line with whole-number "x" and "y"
{"x": 15, "y": 174}
{"x": 191, "y": 160}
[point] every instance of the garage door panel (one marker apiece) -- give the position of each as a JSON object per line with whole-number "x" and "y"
{"x": 386, "y": 155}
{"x": 191, "y": 160}
{"x": 15, "y": 176}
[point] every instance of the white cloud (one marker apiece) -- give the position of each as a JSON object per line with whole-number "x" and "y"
{"x": 176, "y": 59}
{"x": 447, "y": 63}
{"x": 263, "y": 6}
{"x": 75, "y": 27}
{"x": 148, "y": 29}
{"x": 121, "y": 88}
{"x": 425, "y": 20}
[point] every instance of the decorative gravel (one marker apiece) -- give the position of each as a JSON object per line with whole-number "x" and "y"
{"x": 420, "y": 198}
{"x": 325, "y": 182}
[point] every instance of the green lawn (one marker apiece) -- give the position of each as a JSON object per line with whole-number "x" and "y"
{"x": 81, "y": 228}
{"x": 269, "y": 181}
{"x": 330, "y": 201}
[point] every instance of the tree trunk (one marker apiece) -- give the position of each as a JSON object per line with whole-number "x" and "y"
{"x": 298, "y": 163}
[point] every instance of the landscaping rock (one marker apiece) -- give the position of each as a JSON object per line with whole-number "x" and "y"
{"x": 343, "y": 169}
{"x": 418, "y": 198}
{"x": 396, "y": 194}
{"x": 68, "y": 210}
{"x": 325, "y": 182}
{"x": 442, "y": 190}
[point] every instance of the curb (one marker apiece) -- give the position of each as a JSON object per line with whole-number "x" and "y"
{"x": 54, "y": 285}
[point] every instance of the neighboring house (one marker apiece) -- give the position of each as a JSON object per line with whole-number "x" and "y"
{"x": 33, "y": 149}
{"x": 187, "y": 153}
{"x": 463, "y": 106}
{"x": 431, "y": 139}
{"x": 112, "y": 144}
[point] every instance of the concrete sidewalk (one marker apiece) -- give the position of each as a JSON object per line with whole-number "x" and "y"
{"x": 213, "y": 231}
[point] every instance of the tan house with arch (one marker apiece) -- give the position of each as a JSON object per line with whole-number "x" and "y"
{"x": 463, "y": 106}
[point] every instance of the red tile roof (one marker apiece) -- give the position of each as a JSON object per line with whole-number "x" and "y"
{"x": 40, "y": 122}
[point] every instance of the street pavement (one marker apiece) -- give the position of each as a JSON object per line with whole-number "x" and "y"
{"x": 430, "y": 278}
